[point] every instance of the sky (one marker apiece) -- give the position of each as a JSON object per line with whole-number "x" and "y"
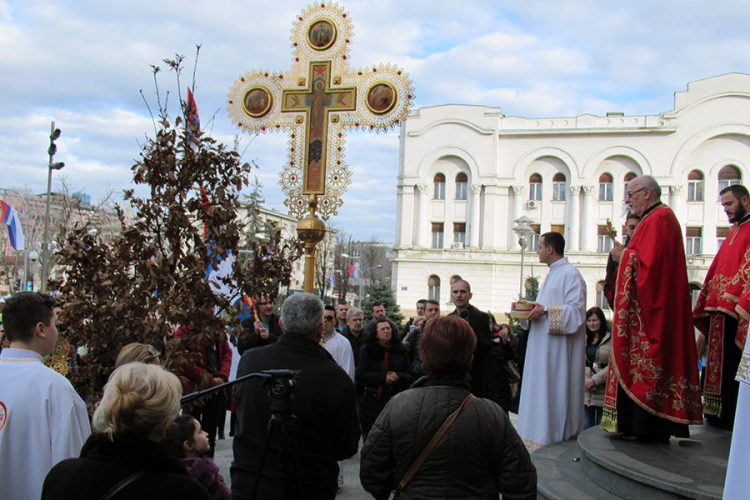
{"x": 83, "y": 64}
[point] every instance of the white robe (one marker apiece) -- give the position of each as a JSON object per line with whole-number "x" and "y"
{"x": 42, "y": 421}
{"x": 738, "y": 480}
{"x": 341, "y": 350}
{"x": 551, "y": 406}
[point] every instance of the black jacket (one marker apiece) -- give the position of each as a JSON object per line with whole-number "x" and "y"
{"x": 253, "y": 339}
{"x": 479, "y": 457}
{"x": 327, "y": 428}
{"x": 371, "y": 376}
{"x": 498, "y": 387}
{"x": 104, "y": 463}
{"x": 479, "y": 322}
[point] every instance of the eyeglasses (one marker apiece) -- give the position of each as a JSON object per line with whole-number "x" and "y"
{"x": 328, "y": 318}
{"x": 631, "y": 193}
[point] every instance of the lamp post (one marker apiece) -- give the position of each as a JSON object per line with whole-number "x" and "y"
{"x": 523, "y": 230}
{"x": 53, "y": 136}
{"x": 26, "y": 235}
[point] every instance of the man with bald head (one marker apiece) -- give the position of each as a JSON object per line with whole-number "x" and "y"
{"x": 479, "y": 322}
{"x": 653, "y": 392}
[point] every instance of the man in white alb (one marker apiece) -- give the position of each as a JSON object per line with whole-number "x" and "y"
{"x": 340, "y": 350}
{"x": 551, "y": 407}
{"x": 336, "y": 344}
{"x": 42, "y": 418}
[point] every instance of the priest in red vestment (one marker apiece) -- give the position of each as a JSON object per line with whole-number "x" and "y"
{"x": 653, "y": 388}
{"x": 722, "y": 310}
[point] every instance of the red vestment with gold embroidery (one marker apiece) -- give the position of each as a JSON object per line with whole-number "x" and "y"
{"x": 726, "y": 290}
{"x": 653, "y": 354}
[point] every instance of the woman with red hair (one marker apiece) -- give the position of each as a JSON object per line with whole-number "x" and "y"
{"x": 480, "y": 455}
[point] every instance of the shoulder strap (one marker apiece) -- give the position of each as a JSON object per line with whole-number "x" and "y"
{"x": 434, "y": 441}
{"x": 124, "y": 484}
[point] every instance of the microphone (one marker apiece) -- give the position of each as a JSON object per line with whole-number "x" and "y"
{"x": 464, "y": 314}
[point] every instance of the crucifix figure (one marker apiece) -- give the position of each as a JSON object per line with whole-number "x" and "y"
{"x": 316, "y": 102}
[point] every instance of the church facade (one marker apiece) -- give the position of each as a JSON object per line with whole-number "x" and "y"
{"x": 466, "y": 173}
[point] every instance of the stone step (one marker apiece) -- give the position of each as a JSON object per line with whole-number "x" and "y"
{"x": 601, "y": 465}
{"x": 692, "y": 468}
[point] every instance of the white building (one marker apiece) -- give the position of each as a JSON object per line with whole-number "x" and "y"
{"x": 467, "y": 172}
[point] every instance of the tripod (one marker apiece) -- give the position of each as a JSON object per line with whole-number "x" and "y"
{"x": 281, "y": 385}
{"x": 281, "y": 396}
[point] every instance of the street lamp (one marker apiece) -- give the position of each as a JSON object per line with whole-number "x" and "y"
{"x": 26, "y": 235}
{"x": 53, "y": 136}
{"x": 523, "y": 230}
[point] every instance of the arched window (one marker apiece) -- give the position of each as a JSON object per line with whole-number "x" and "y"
{"x": 601, "y": 299}
{"x": 729, "y": 176}
{"x": 439, "y": 190}
{"x": 535, "y": 187}
{"x": 437, "y": 234}
{"x": 628, "y": 177}
{"x": 558, "y": 187}
{"x": 695, "y": 186}
{"x": 455, "y": 278}
{"x": 605, "y": 187}
{"x": 462, "y": 186}
{"x": 433, "y": 288}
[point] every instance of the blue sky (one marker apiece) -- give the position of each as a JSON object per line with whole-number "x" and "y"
{"x": 83, "y": 63}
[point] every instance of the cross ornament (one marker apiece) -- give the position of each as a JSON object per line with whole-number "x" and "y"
{"x": 316, "y": 102}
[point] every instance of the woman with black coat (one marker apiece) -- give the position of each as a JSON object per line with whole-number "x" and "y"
{"x": 384, "y": 370}
{"x": 139, "y": 403}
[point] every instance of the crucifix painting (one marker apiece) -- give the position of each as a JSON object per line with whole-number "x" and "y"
{"x": 316, "y": 102}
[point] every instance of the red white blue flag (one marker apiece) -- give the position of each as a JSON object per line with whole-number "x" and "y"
{"x": 9, "y": 217}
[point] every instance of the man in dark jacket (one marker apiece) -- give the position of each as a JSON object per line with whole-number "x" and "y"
{"x": 264, "y": 329}
{"x": 480, "y": 323}
{"x": 325, "y": 406}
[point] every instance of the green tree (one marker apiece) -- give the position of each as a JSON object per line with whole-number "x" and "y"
{"x": 382, "y": 292}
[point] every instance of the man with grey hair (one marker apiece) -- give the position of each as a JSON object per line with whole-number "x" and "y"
{"x": 653, "y": 392}
{"x": 325, "y": 406}
{"x": 354, "y": 331}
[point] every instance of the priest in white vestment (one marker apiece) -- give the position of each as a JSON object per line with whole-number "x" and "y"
{"x": 340, "y": 350}
{"x": 737, "y": 483}
{"x": 42, "y": 419}
{"x": 551, "y": 406}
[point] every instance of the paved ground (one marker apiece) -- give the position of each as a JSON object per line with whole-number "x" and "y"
{"x": 352, "y": 490}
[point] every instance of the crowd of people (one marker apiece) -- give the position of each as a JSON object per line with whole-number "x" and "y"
{"x": 400, "y": 390}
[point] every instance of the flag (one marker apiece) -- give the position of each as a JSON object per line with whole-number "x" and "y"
{"x": 333, "y": 280}
{"x": 351, "y": 270}
{"x": 9, "y": 217}
{"x": 355, "y": 273}
{"x": 192, "y": 120}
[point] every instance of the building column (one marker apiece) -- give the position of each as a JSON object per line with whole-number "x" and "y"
{"x": 588, "y": 235}
{"x": 423, "y": 226}
{"x": 476, "y": 207}
{"x": 493, "y": 224}
{"x": 574, "y": 215}
{"x": 405, "y": 216}
{"x": 517, "y": 212}
{"x": 678, "y": 206}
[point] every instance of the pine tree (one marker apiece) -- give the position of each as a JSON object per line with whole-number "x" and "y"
{"x": 381, "y": 292}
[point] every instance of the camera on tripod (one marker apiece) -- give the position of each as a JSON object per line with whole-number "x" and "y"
{"x": 281, "y": 386}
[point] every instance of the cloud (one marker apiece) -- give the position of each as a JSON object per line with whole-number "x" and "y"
{"x": 82, "y": 63}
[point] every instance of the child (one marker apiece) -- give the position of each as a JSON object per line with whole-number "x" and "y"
{"x": 186, "y": 440}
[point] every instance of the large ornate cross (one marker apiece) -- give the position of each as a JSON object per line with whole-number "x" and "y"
{"x": 317, "y": 101}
